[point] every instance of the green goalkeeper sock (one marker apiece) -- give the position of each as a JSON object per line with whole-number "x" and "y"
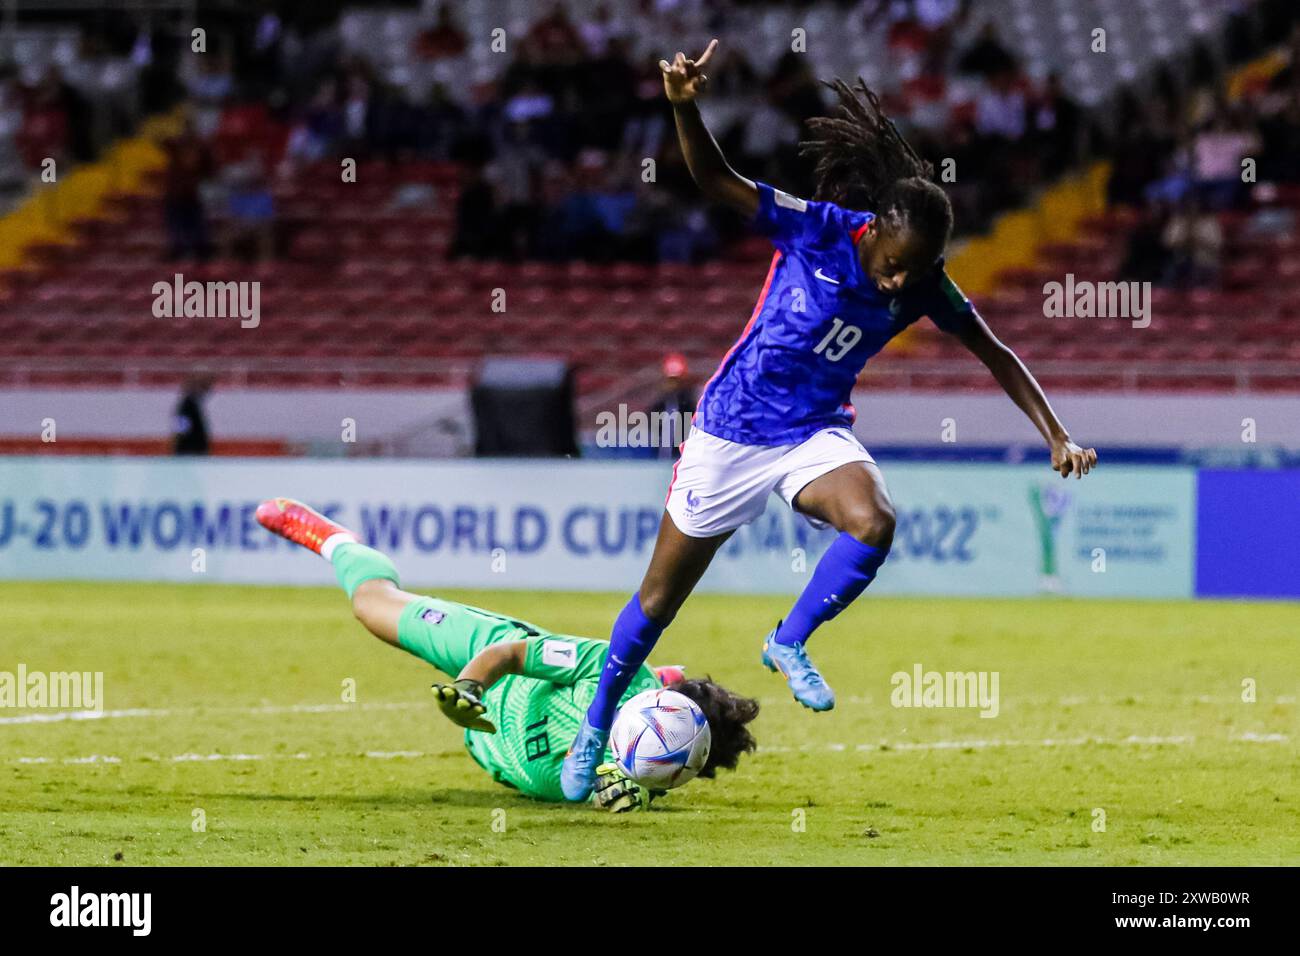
{"x": 354, "y": 564}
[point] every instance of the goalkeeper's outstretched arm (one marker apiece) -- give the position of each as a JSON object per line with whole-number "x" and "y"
{"x": 462, "y": 700}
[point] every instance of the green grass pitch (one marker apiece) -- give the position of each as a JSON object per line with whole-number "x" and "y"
{"x": 1131, "y": 710}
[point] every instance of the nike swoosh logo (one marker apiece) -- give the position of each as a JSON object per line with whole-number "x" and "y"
{"x": 826, "y": 278}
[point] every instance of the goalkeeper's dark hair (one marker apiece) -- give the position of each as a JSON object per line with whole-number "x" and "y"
{"x": 861, "y": 162}
{"x": 727, "y": 714}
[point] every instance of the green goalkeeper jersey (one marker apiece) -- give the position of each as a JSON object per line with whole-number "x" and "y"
{"x": 537, "y": 712}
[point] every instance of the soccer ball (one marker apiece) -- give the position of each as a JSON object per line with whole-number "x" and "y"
{"x": 660, "y": 739}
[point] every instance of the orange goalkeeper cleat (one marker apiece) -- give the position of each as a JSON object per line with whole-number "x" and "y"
{"x": 295, "y": 521}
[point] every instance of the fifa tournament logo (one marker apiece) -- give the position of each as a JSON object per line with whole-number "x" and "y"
{"x": 1050, "y": 504}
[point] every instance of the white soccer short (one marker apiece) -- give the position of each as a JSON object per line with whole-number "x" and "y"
{"x": 719, "y": 485}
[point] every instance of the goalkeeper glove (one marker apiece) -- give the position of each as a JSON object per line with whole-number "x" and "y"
{"x": 617, "y": 792}
{"x": 462, "y": 703}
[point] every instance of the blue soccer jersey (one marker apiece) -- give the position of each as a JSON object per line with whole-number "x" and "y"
{"x": 817, "y": 321}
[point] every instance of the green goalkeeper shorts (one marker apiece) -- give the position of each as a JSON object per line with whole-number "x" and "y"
{"x": 448, "y": 635}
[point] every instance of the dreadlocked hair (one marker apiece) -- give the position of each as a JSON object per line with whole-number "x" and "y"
{"x": 862, "y": 162}
{"x": 727, "y": 714}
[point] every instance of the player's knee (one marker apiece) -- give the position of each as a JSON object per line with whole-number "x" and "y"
{"x": 873, "y": 525}
{"x": 366, "y": 604}
{"x": 659, "y": 603}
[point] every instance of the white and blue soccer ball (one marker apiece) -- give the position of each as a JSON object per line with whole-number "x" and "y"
{"x": 660, "y": 739}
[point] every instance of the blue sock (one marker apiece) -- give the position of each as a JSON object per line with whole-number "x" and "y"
{"x": 630, "y": 643}
{"x": 842, "y": 574}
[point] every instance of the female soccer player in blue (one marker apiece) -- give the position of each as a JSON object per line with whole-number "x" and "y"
{"x": 852, "y": 269}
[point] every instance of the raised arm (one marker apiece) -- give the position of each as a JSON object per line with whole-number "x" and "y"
{"x": 683, "y": 81}
{"x": 1024, "y": 390}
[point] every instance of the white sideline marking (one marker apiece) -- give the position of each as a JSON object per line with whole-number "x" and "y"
{"x": 867, "y": 700}
{"x": 213, "y": 758}
{"x": 197, "y": 758}
{"x": 393, "y": 754}
{"x": 60, "y": 716}
{"x": 1132, "y": 740}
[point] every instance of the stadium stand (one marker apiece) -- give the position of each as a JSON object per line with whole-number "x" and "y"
{"x": 367, "y": 283}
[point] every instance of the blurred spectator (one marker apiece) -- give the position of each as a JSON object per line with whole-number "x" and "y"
{"x": 611, "y": 84}
{"x": 648, "y": 125}
{"x": 1217, "y": 152}
{"x": 677, "y": 399}
{"x": 104, "y": 76}
{"x": 987, "y": 57}
{"x": 1270, "y": 219}
{"x": 555, "y": 38}
{"x": 732, "y": 74}
{"x": 316, "y": 132}
{"x": 1000, "y": 109}
{"x": 443, "y": 38}
{"x": 767, "y": 130}
{"x": 190, "y": 426}
{"x": 1140, "y": 157}
{"x": 936, "y": 15}
{"x": 355, "y": 113}
{"x": 189, "y": 164}
{"x": 1193, "y": 238}
{"x": 793, "y": 88}
{"x": 1280, "y": 139}
{"x": 598, "y": 30}
{"x": 1056, "y": 124}
{"x": 445, "y": 117}
{"x": 575, "y": 228}
{"x": 690, "y": 238}
{"x": 613, "y": 198}
{"x": 476, "y": 233}
{"x": 156, "y": 55}
{"x": 553, "y": 137}
{"x": 515, "y": 175}
{"x": 250, "y": 227}
{"x": 45, "y": 129}
{"x": 13, "y": 172}
{"x": 262, "y": 65}
{"x": 1146, "y": 257}
{"x": 210, "y": 86}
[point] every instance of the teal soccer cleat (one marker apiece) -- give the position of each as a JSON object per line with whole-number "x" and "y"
{"x": 578, "y": 772}
{"x": 805, "y": 681}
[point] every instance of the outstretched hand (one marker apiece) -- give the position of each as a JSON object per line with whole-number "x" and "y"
{"x": 462, "y": 704}
{"x": 684, "y": 79}
{"x": 1068, "y": 457}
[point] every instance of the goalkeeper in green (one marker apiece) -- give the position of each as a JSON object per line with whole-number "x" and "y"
{"x": 519, "y": 691}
